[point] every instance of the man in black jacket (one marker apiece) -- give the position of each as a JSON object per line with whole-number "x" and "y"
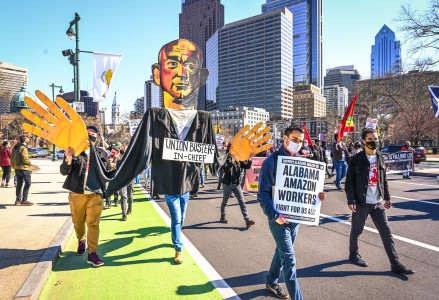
{"x": 85, "y": 205}
{"x": 366, "y": 186}
{"x": 231, "y": 180}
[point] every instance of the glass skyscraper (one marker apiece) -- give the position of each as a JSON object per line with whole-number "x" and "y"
{"x": 307, "y": 38}
{"x": 198, "y": 21}
{"x": 386, "y": 54}
{"x": 254, "y": 63}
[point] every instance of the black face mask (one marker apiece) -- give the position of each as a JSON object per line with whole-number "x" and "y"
{"x": 92, "y": 138}
{"x": 372, "y": 145}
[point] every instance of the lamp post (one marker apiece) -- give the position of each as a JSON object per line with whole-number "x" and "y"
{"x": 74, "y": 34}
{"x": 61, "y": 92}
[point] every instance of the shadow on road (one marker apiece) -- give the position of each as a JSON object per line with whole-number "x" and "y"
{"x": 51, "y": 215}
{"x": 319, "y": 271}
{"x": 202, "y": 226}
{"x": 75, "y": 262}
{"x": 431, "y": 212}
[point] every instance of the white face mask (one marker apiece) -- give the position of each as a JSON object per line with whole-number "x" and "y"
{"x": 293, "y": 147}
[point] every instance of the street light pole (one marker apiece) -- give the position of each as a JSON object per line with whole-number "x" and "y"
{"x": 74, "y": 33}
{"x": 53, "y": 86}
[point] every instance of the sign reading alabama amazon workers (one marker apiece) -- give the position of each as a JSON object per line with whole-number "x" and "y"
{"x": 297, "y": 187}
{"x": 188, "y": 151}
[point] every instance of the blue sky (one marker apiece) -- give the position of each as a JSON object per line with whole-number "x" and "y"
{"x": 32, "y": 35}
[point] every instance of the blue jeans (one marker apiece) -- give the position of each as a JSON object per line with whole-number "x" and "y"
{"x": 340, "y": 168}
{"x": 284, "y": 236}
{"x": 177, "y": 205}
{"x": 202, "y": 175}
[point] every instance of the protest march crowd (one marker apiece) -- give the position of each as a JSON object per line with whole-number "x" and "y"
{"x": 288, "y": 180}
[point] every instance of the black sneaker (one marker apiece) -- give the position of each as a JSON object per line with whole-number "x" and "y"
{"x": 276, "y": 289}
{"x": 249, "y": 223}
{"x": 81, "y": 248}
{"x": 223, "y": 219}
{"x": 400, "y": 269}
{"x": 124, "y": 218}
{"x": 358, "y": 260}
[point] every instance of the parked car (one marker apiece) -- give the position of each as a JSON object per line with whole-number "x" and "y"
{"x": 42, "y": 152}
{"x": 32, "y": 152}
{"x": 419, "y": 154}
{"x": 60, "y": 154}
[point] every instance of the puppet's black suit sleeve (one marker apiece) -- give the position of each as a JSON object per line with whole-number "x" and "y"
{"x": 135, "y": 160}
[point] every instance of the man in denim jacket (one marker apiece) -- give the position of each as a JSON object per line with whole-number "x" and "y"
{"x": 284, "y": 233}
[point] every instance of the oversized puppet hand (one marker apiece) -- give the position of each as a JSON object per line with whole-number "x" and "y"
{"x": 55, "y": 126}
{"x": 244, "y": 147}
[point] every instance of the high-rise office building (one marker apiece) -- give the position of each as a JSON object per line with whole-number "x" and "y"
{"x": 11, "y": 81}
{"x": 386, "y": 54}
{"x": 255, "y": 64}
{"x": 199, "y": 20}
{"x": 90, "y": 108}
{"x": 152, "y": 96}
{"x": 307, "y": 38}
{"x": 308, "y": 102}
{"x": 336, "y": 99}
{"x": 344, "y": 76}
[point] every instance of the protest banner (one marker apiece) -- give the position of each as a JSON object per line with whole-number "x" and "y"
{"x": 297, "y": 186}
{"x": 219, "y": 140}
{"x": 188, "y": 151}
{"x": 133, "y": 125}
{"x": 401, "y": 161}
{"x": 251, "y": 183}
{"x": 371, "y": 123}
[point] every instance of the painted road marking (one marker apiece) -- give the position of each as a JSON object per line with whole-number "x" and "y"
{"x": 218, "y": 282}
{"x": 405, "y": 182}
{"x": 420, "y": 244}
{"x": 404, "y": 198}
{"x": 413, "y": 242}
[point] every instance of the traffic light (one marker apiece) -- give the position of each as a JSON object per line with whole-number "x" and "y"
{"x": 379, "y": 131}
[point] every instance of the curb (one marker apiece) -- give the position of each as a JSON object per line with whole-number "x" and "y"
{"x": 34, "y": 283}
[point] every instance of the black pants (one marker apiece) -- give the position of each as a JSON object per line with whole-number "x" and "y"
{"x": 6, "y": 173}
{"x": 22, "y": 176}
{"x": 379, "y": 218}
{"x": 227, "y": 191}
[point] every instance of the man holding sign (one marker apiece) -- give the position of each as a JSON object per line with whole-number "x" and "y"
{"x": 298, "y": 174}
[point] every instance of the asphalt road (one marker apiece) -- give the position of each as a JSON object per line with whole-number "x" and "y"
{"x": 242, "y": 257}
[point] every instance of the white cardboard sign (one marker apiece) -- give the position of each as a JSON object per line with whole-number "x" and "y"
{"x": 371, "y": 123}
{"x": 188, "y": 151}
{"x": 298, "y": 184}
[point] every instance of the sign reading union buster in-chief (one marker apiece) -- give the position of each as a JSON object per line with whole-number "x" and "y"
{"x": 188, "y": 151}
{"x": 298, "y": 184}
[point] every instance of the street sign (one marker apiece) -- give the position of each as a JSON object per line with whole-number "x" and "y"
{"x": 78, "y": 107}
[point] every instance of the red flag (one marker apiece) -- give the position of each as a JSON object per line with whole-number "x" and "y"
{"x": 307, "y": 137}
{"x": 347, "y": 124}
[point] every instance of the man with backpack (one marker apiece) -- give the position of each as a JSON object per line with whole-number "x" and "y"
{"x": 21, "y": 164}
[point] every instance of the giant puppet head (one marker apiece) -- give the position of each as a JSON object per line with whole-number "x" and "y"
{"x": 180, "y": 74}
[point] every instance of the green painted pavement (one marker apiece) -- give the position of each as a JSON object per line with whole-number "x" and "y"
{"x": 138, "y": 256}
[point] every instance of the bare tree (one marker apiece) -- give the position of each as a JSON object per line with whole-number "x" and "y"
{"x": 401, "y": 103}
{"x": 422, "y": 31}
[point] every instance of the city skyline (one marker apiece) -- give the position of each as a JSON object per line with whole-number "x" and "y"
{"x": 137, "y": 34}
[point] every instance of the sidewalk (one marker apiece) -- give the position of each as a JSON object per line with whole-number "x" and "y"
{"x": 28, "y": 231}
{"x": 138, "y": 256}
